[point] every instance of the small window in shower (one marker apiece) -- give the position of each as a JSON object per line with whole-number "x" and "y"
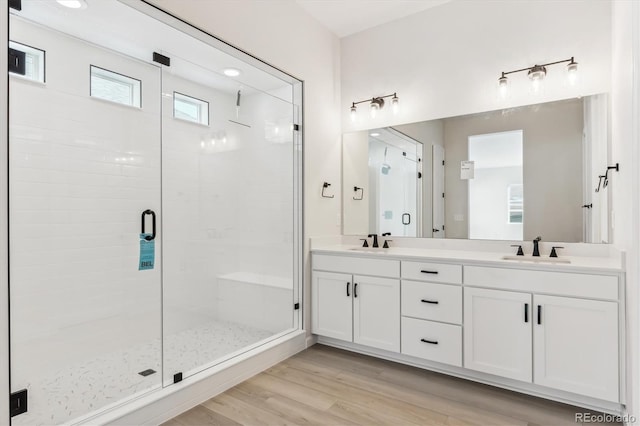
{"x": 114, "y": 87}
{"x": 190, "y": 109}
{"x": 26, "y": 61}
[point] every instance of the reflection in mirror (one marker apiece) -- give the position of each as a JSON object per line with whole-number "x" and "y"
{"x": 389, "y": 162}
{"x": 511, "y": 174}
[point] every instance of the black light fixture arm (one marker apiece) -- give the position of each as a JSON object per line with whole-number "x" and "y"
{"x": 570, "y": 60}
{"x": 374, "y": 99}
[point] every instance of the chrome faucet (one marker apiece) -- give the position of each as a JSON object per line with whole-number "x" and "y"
{"x": 536, "y": 251}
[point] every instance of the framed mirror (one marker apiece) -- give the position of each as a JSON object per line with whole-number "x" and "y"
{"x": 510, "y": 174}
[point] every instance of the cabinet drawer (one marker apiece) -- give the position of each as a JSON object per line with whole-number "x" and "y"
{"x": 432, "y": 272}
{"x": 432, "y": 341}
{"x": 437, "y": 302}
{"x": 356, "y": 265}
{"x": 557, "y": 283}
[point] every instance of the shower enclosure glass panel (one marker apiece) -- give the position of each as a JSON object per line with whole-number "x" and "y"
{"x": 228, "y": 215}
{"x": 108, "y": 138}
{"x": 84, "y": 320}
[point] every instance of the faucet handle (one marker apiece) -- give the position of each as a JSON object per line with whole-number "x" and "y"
{"x": 366, "y": 243}
{"x": 386, "y": 244}
{"x": 520, "y": 252}
{"x": 386, "y": 234}
{"x": 553, "y": 251}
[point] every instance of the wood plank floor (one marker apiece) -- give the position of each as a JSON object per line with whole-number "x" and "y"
{"x": 328, "y": 386}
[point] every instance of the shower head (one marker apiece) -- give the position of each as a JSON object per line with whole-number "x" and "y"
{"x": 238, "y": 99}
{"x": 385, "y": 166}
{"x": 238, "y": 96}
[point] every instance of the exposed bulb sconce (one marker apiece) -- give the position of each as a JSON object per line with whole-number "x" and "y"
{"x": 375, "y": 105}
{"x": 537, "y": 73}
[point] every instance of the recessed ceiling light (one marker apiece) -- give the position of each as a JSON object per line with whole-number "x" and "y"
{"x": 73, "y": 4}
{"x": 374, "y": 134}
{"x": 231, "y": 72}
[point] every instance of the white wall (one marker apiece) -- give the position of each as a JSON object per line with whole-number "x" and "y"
{"x": 445, "y": 61}
{"x": 625, "y": 111}
{"x": 281, "y": 33}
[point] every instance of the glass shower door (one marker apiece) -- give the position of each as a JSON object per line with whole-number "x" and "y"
{"x": 84, "y": 165}
{"x": 228, "y": 206}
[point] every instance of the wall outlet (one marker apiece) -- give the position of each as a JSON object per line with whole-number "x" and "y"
{"x": 458, "y": 217}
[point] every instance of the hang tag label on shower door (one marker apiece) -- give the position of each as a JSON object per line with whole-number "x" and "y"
{"x": 147, "y": 253}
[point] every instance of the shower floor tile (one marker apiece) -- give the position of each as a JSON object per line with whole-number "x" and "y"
{"x": 94, "y": 384}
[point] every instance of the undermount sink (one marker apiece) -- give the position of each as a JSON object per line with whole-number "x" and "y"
{"x": 540, "y": 259}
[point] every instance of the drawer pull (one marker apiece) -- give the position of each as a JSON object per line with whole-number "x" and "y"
{"x": 434, "y": 302}
{"x": 424, "y": 271}
{"x": 432, "y": 342}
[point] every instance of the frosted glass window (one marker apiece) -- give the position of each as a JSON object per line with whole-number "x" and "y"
{"x": 114, "y": 87}
{"x": 190, "y": 109}
{"x": 33, "y": 59}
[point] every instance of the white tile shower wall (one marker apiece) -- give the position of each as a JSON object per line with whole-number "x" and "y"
{"x": 227, "y": 199}
{"x": 82, "y": 171}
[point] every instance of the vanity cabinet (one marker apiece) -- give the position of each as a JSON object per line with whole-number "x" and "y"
{"x": 564, "y": 343}
{"x": 497, "y": 334}
{"x": 538, "y": 329}
{"x": 356, "y": 308}
{"x": 431, "y": 309}
{"x": 576, "y": 345}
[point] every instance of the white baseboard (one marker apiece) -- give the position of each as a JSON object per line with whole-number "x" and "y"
{"x": 164, "y": 404}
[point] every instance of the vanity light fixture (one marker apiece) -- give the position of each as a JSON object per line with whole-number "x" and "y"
{"x": 375, "y": 105}
{"x": 537, "y": 73}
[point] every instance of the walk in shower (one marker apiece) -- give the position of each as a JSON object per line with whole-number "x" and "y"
{"x": 154, "y": 181}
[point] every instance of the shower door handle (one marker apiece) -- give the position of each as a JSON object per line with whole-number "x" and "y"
{"x": 153, "y": 222}
{"x": 408, "y": 216}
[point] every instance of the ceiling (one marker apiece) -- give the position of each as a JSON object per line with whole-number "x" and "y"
{"x": 346, "y": 17}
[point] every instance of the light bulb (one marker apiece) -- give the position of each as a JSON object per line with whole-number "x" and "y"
{"x": 536, "y": 75}
{"x": 394, "y": 104}
{"x": 374, "y": 109}
{"x": 353, "y": 112}
{"x": 572, "y": 72}
{"x": 503, "y": 86}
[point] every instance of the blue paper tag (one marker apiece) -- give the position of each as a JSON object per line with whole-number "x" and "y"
{"x": 147, "y": 253}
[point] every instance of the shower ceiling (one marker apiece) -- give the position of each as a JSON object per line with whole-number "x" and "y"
{"x": 122, "y": 35}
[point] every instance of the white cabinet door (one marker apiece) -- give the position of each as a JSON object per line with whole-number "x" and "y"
{"x": 497, "y": 332}
{"x": 576, "y": 346}
{"x": 331, "y": 310}
{"x": 376, "y": 312}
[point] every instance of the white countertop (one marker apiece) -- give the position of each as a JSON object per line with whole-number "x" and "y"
{"x": 488, "y": 258}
